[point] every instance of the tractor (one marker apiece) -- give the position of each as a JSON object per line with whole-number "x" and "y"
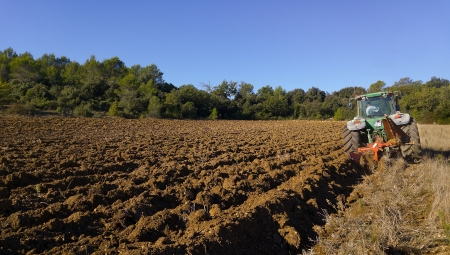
{"x": 380, "y": 129}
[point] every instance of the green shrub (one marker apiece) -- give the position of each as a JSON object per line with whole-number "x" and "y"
{"x": 113, "y": 110}
{"x": 339, "y": 114}
{"x": 83, "y": 110}
{"x": 188, "y": 110}
{"x": 214, "y": 114}
{"x": 154, "y": 107}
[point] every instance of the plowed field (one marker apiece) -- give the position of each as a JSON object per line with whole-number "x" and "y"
{"x": 110, "y": 186}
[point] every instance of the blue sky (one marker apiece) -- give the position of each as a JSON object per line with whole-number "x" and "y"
{"x": 287, "y": 43}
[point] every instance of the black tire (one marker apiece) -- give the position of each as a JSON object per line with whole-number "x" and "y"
{"x": 411, "y": 151}
{"x": 352, "y": 140}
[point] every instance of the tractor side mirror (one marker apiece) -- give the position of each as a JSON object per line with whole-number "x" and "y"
{"x": 350, "y": 105}
{"x": 397, "y": 105}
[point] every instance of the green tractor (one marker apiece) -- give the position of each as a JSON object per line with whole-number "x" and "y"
{"x": 381, "y": 129}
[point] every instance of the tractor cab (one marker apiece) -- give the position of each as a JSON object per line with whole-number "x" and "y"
{"x": 373, "y": 110}
{"x": 376, "y": 105}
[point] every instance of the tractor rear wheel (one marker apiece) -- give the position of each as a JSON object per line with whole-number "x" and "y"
{"x": 352, "y": 140}
{"x": 413, "y": 150}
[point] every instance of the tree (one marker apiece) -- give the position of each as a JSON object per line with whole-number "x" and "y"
{"x": 244, "y": 100}
{"x": 92, "y": 79}
{"x": 315, "y": 94}
{"x": 6, "y": 96}
{"x": 166, "y": 87}
{"x": 245, "y": 90}
{"x": 248, "y": 109}
{"x": 225, "y": 90}
{"x": 200, "y": 98}
{"x": 221, "y": 98}
{"x": 69, "y": 97}
{"x": 312, "y": 110}
{"x": 36, "y": 97}
{"x": 203, "y": 104}
{"x": 113, "y": 70}
{"x": 437, "y": 82}
{"x": 376, "y": 87}
{"x": 264, "y": 93}
{"x": 128, "y": 94}
{"x": 214, "y": 114}
{"x": 406, "y": 85}
{"x": 171, "y": 105}
{"x": 114, "y": 109}
{"x": 188, "y": 110}
{"x": 349, "y": 92}
{"x": 148, "y": 89}
{"x": 339, "y": 114}
{"x": 277, "y": 104}
{"x": 5, "y": 58}
{"x": 51, "y": 68}
{"x": 83, "y": 110}
{"x": 296, "y": 96}
{"x": 24, "y": 69}
{"x": 443, "y": 110}
{"x": 145, "y": 74}
{"x": 330, "y": 106}
{"x": 71, "y": 74}
{"x": 154, "y": 107}
{"x": 188, "y": 93}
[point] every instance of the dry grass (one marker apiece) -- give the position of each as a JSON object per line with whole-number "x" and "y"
{"x": 399, "y": 209}
{"x": 435, "y": 140}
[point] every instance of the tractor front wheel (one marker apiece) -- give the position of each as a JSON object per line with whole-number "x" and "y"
{"x": 352, "y": 140}
{"x": 412, "y": 150}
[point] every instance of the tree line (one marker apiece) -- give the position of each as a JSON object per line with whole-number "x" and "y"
{"x": 109, "y": 88}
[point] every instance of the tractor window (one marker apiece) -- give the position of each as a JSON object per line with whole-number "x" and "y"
{"x": 371, "y": 108}
{"x": 377, "y": 106}
{"x": 386, "y": 105}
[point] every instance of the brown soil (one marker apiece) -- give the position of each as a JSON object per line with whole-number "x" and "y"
{"x": 110, "y": 186}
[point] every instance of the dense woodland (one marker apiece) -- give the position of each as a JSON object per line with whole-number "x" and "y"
{"x": 109, "y": 88}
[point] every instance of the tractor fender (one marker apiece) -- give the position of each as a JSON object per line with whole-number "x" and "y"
{"x": 400, "y": 118}
{"x": 356, "y": 124}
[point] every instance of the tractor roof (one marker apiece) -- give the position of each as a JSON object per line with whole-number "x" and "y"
{"x": 370, "y": 95}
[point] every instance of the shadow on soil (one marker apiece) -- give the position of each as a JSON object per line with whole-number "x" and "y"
{"x": 435, "y": 153}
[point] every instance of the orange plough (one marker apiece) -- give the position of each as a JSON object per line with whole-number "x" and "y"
{"x": 395, "y": 136}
